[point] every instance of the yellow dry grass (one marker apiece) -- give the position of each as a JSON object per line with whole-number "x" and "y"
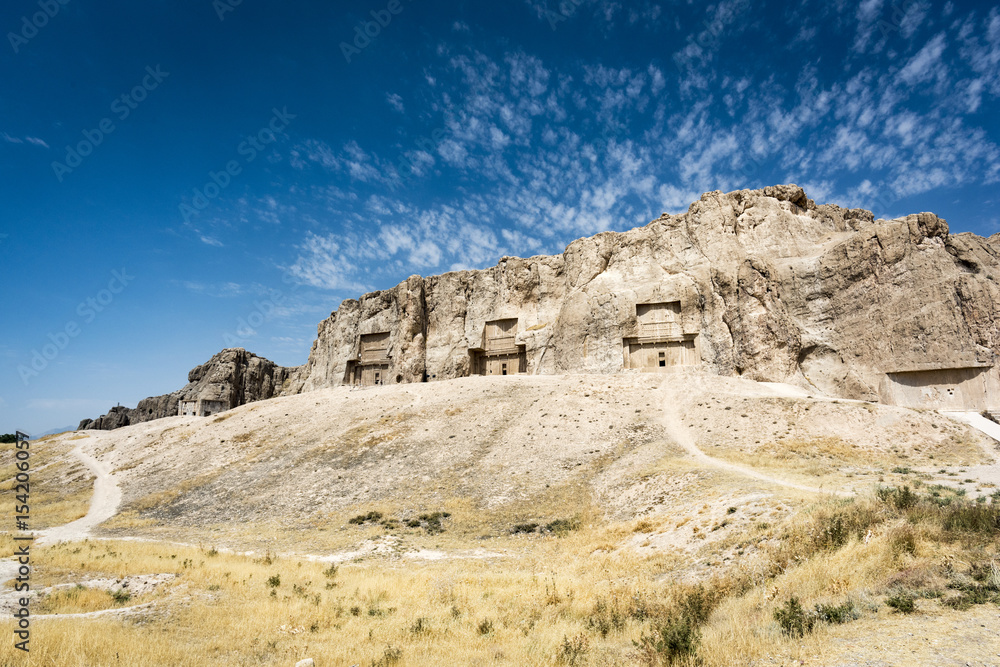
{"x": 576, "y": 599}
{"x": 59, "y": 489}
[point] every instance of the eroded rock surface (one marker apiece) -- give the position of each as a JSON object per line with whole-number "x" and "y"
{"x": 772, "y": 286}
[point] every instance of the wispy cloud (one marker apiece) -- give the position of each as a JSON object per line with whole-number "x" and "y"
{"x": 35, "y": 141}
{"x": 524, "y": 156}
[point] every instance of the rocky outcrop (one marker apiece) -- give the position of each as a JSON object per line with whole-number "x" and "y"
{"x": 776, "y": 287}
{"x": 234, "y": 377}
{"x": 770, "y": 286}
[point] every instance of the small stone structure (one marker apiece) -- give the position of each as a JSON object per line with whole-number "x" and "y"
{"x": 201, "y": 407}
{"x": 370, "y": 367}
{"x": 500, "y": 353}
{"x": 661, "y": 342}
{"x": 970, "y": 388}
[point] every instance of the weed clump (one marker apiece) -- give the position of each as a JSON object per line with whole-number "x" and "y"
{"x": 904, "y": 603}
{"x": 361, "y": 519}
{"x": 573, "y": 651}
{"x": 794, "y": 620}
{"x": 671, "y": 641}
{"x": 562, "y": 526}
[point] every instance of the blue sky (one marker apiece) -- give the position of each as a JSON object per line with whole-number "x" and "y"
{"x": 179, "y": 177}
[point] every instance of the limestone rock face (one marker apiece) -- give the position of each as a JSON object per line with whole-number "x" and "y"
{"x": 764, "y": 284}
{"x": 774, "y": 287}
{"x": 234, "y": 377}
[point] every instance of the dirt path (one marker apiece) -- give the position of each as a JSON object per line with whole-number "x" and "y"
{"x": 680, "y": 433}
{"x": 103, "y": 505}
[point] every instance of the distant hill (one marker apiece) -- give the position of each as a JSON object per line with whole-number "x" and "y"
{"x": 55, "y": 431}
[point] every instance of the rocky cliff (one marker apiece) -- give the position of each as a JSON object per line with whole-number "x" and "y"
{"x": 776, "y": 287}
{"x": 233, "y": 377}
{"x": 770, "y": 286}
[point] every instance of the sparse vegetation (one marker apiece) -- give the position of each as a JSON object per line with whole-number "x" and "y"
{"x": 793, "y": 619}
{"x": 904, "y": 603}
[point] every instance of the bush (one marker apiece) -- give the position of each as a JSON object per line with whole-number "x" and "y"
{"x": 671, "y": 641}
{"x": 834, "y": 532}
{"x": 972, "y": 518}
{"x": 699, "y": 604}
{"x": 331, "y": 571}
{"x": 120, "y": 596}
{"x": 836, "y": 614}
{"x": 365, "y": 518}
{"x": 793, "y": 619}
{"x": 390, "y": 656}
{"x": 274, "y": 581}
{"x": 901, "y": 499}
{"x": 607, "y": 617}
{"x": 524, "y": 528}
{"x": 903, "y": 603}
{"x": 573, "y": 651}
{"x": 485, "y": 626}
{"x": 562, "y": 526}
{"x": 8, "y": 438}
{"x": 433, "y": 522}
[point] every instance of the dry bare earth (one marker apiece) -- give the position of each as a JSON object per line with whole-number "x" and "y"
{"x": 687, "y": 463}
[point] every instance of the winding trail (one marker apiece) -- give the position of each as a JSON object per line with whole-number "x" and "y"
{"x": 103, "y": 504}
{"x": 679, "y": 432}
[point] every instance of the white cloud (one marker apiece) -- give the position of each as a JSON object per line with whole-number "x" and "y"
{"x": 326, "y": 262}
{"x": 395, "y": 101}
{"x": 926, "y": 64}
{"x": 545, "y": 156}
{"x": 35, "y": 141}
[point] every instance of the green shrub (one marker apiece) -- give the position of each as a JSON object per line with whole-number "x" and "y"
{"x": 607, "y": 617}
{"x": 433, "y": 521}
{"x": 274, "y": 581}
{"x": 904, "y": 603}
{"x": 699, "y": 604}
{"x": 524, "y": 528}
{"x": 972, "y": 518}
{"x": 485, "y": 626}
{"x": 365, "y": 518}
{"x": 834, "y": 532}
{"x": 837, "y": 614}
{"x": 901, "y": 499}
{"x": 671, "y": 641}
{"x": 793, "y": 619}
{"x": 562, "y": 526}
{"x": 390, "y": 656}
{"x": 573, "y": 651}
